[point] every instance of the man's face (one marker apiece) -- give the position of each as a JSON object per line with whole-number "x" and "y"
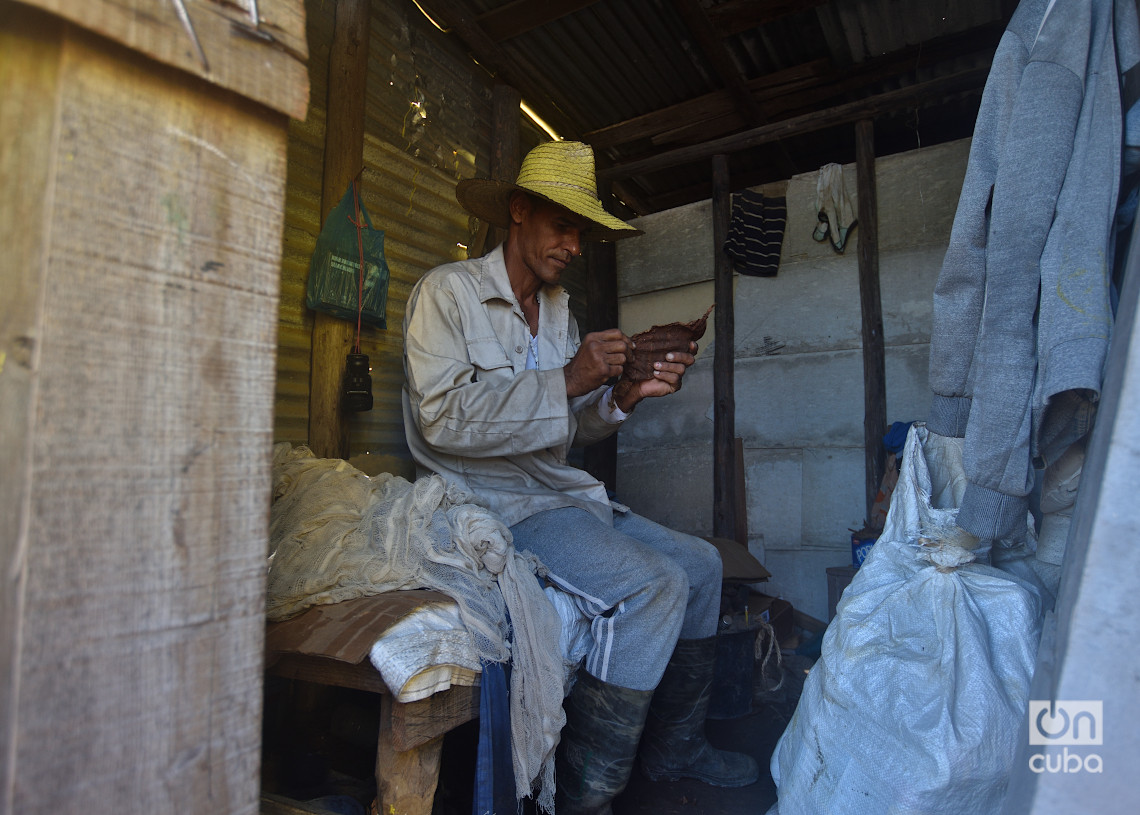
{"x": 547, "y": 235}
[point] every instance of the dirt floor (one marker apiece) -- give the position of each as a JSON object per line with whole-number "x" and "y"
{"x": 754, "y": 733}
{"x": 328, "y": 760}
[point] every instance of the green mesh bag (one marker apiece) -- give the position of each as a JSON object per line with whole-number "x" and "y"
{"x": 335, "y": 286}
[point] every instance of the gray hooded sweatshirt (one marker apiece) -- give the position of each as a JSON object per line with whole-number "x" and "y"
{"x": 1021, "y": 308}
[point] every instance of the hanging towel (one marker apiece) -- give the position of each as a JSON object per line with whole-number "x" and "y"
{"x": 833, "y": 208}
{"x": 756, "y": 233}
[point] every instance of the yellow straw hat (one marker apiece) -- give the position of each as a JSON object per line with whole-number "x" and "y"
{"x": 562, "y": 172}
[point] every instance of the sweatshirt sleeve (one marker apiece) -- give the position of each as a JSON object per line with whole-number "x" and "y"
{"x": 960, "y": 292}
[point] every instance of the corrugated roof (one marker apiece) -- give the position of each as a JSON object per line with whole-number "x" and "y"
{"x": 641, "y": 78}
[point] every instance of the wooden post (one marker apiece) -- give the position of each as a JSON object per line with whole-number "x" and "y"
{"x": 741, "y": 504}
{"x": 724, "y": 399}
{"x": 405, "y": 781}
{"x": 141, "y": 215}
{"x": 602, "y": 313}
{"x": 505, "y": 158}
{"x": 344, "y": 157}
{"x": 874, "y": 360}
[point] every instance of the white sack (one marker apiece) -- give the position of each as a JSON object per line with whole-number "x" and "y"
{"x": 921, "y": 689}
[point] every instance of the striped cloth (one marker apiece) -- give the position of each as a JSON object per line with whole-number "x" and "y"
{"x": 756, "y": 233}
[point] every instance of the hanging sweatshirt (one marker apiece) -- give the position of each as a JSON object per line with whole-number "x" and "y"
{"x": 1021, "y": 307}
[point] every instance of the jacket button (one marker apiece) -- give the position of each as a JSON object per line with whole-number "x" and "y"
{"x": 518, "y": 349}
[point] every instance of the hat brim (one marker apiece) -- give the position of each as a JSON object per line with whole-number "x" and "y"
{"x": 489, "y": 201}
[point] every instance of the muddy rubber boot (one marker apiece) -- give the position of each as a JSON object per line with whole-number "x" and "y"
{"x": 598, "y": 745}
{"x": 674, "y": 744}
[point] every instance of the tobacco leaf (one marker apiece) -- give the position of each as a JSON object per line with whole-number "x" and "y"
{"x": 653, "y": 344}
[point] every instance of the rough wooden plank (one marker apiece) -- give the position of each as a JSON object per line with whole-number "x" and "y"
{"x": 280, "y": 805}
{"x": 871, "y": 308}
{"x": 724, "y": 400}
{"x": 29, "y": 65}
{"x": 600, "y": 458}
{"x": 405, "y": 781}
{"x": 692, "y": 112}
{"x": 417, "y": 723}
{"x": 327, "y": 671}
{"x": 966, "y": 81}
{"x": 734, "y": 16}
{"x": 333, "y": 338}
{"x": 521, "y": 16}
{"x": 699, "y": 27}
{"x": 269, "y": 67}
{"x": 140, "y": 646}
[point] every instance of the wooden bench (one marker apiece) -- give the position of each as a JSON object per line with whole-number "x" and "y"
{"x": 329, "y": 645}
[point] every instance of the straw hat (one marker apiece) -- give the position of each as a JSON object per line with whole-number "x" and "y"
{"x": 561, "y": 172}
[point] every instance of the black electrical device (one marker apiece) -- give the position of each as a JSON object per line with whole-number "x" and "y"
{"x": 357, "y": 384}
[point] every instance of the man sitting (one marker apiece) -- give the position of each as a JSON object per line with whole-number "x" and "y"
{"x": 499, "y": 385}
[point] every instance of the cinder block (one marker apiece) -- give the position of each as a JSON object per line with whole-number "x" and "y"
{"x": 675, "y": 420}
{"x": 906, "y": 286}
{"x": 833, "y": 496}
{"x": 774, "y": 487}
{"x": 809, "y": 306}
{"x": 670, "y": 485}
{"x": 918, "y": 195}
{"x": 800, "y": 400}
{"x": 908, "y": 383}
{"x": 800, "y": 577}
{"x": 676, "y": 249}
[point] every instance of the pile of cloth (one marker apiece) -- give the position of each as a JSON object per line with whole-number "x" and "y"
{"x": 338, "y": 534}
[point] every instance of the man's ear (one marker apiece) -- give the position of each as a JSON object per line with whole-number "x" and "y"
{"x": 520, "y": 206}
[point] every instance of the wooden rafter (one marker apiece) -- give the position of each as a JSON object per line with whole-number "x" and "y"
{"x": 966, "y": 81}
{"x": 735, "y": 16}
{"x": 789, "y": 91}
{"x": 694, "y": 17}
{"x": 703, "y": 107}
{"x": 521, "y": 16}
{"x": 710, "y": 42}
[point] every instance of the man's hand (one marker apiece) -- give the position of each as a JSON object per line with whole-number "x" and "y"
{"x": 666, "y": 380}
{"x": 602, "y": 355}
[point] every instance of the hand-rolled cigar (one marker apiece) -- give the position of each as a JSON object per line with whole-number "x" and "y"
{"x": 652, "y": 345}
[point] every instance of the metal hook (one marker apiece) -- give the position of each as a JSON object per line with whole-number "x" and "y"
{"x": 180, "y": 10}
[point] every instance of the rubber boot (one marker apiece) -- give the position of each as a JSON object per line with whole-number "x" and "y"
{"x": 598, "y": 745}
{"x": 674, "y": 744}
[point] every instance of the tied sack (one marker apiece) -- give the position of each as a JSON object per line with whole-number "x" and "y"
{"x": 922, "y": 686}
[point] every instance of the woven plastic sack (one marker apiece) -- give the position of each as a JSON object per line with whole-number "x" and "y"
{"x": 334, "y": 269}
{"x": 922, "y": 686}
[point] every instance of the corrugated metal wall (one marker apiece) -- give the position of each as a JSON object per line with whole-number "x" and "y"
{"x": 427, "y": 126}
{"x": 302, "y": 224}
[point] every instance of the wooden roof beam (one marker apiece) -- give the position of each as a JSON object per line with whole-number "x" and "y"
{"x": 716, "y": 103}
{"x": 803, "y": 84}
{"x": 736, "y": 16}
{"x": 966, "y": 81}
{"x": 710, "y": 42}
{"x": 521, "y": 16}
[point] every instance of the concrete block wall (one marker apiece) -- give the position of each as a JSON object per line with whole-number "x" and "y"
{"x": 799, "y": 368}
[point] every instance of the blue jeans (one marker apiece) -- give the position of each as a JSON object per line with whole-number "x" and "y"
{"x": 643, "y": 585}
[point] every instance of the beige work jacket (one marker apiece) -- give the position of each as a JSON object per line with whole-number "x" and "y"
{"x": 472, "y": 411}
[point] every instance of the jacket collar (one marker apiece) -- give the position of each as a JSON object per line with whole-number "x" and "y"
{"x": 495, "y": 283}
